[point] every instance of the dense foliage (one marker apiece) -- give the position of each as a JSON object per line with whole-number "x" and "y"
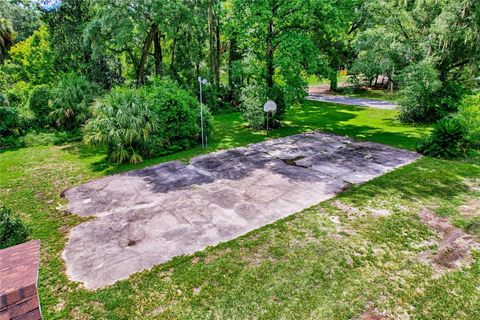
{"x": 12, "y": 229}
{"x": 420, "y": 85}
{"x": 39, "y": 103}
{"x": 178, "y": 116}
{"x": 57, "y": 57}
{"x": 446, "y": 141}
{"x": 253, "y": 99}
{"x": 71, "y": 100}
{"x": 428, "y": 48}
{"x": 122, "y": 120}
{"x": 158, "y": 119}
{"x": 455, "y": 135}
{"x": 469, "y": 116}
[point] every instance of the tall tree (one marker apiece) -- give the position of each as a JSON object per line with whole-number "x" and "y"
{"x": 276, "y": 34}
{"x": 6, "y": 37}
{"x": 334, "y": 24}
{"x": 24, "y": 15}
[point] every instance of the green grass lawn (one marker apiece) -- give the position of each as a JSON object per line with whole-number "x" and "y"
{"x": 348, "y": 90}
{"x": 326, "y": 262}
{"x": 373, "y": 94}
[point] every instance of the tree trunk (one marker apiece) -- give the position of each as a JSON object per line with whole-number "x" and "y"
{"x": 172, "y": 60}
{"x": 333, "y": 80}
{"x": 218, "y": 45}
{"x": 232, "y": 55}
{"x": 270, "y": 51}
{"x": 158, "y": 54}
{"x": 211, "y": 39}
{"x": 143, "y": 60}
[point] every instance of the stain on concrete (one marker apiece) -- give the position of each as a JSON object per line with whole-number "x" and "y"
{"x": 147, "y": 217}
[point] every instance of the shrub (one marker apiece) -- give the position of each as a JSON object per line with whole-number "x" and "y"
{"x": 12, "y": 230}
{"x": 178, "y": 118}
{"x": 9, "y": 119}
{"x": 446, "y": 141}
{"x": 39, "y": 104}
{"x": 420, "y": 84}
{"x": 211, "y": 97}
{"x": 17, "y": 95}
{"x": 277, "y": 94}
{"x": 469, "y": 116}
{"x": 152, "y": 121}
{"x": 253, "y": 98}
{"x": 71, "y": 100}
{"x": 122, "y": 120}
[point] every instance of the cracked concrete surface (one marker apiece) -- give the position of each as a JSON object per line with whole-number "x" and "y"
{"x": 147, "y": 217}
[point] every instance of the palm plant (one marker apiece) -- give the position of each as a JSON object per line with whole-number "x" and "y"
{"x": 446, "y": 141}
{"x": 71, "y": 100}
{"x": 123, "y": 121}
{"x": 7, "y": 35}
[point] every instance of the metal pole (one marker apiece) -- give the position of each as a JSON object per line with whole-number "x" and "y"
{"x": 201, "y": 114}
{"x": 267, "y": 122}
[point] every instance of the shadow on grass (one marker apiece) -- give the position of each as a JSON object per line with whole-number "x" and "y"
{"x": 427, "y": 180}
{"x": 231, "y": 131}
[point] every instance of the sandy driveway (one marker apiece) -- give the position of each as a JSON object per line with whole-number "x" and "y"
{"x": 147, "y": 217}
{"x": 380, "y": 104}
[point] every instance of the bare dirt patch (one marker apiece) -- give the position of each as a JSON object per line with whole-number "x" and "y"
{"x": 371, "y": 314}
{"x": 349, "y": 210}
{"x": 473, "y": 184}
{"x": 471, "y": 208}
{"x": 379, "y": 212}
{"x": 454, "y": 245}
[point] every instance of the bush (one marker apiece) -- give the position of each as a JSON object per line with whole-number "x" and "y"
{"x": 9, "y": 119}
{"x": 122, "y": 120}
{"x": 71, "y": 100}
{"x": 12, "y": 229}
{"x": 178, "y": 117}
{"x": 446, "y": 141}
{"x": 420, "y": 84}
{"x": 17, "y": 95}
{"x": 469, "y": 116}
{"x": 39, "y": 104}
{"x": 277, "y": 94}
{"x": 141, "y": 123}
{"x": 253, "y": 98}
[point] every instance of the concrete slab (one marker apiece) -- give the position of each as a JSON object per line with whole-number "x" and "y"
{"x": 147, "y": 217}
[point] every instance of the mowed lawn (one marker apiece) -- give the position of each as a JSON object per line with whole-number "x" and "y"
{"x": 356, "y": 255}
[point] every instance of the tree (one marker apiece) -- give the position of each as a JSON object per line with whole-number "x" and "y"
{"x": 441, "y": 34}
{"x": 31, "y": 60}
{"x": 24, "y": 15}
{"x": 66, "y": 23}
{"x": 133, "y": 29}
{"x": 6, "y": 37}
{"x": 334, "y": 26}
{"x": 274, "y": 36}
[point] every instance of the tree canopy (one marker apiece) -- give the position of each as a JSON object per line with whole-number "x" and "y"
{"x": 249, "y": 50}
